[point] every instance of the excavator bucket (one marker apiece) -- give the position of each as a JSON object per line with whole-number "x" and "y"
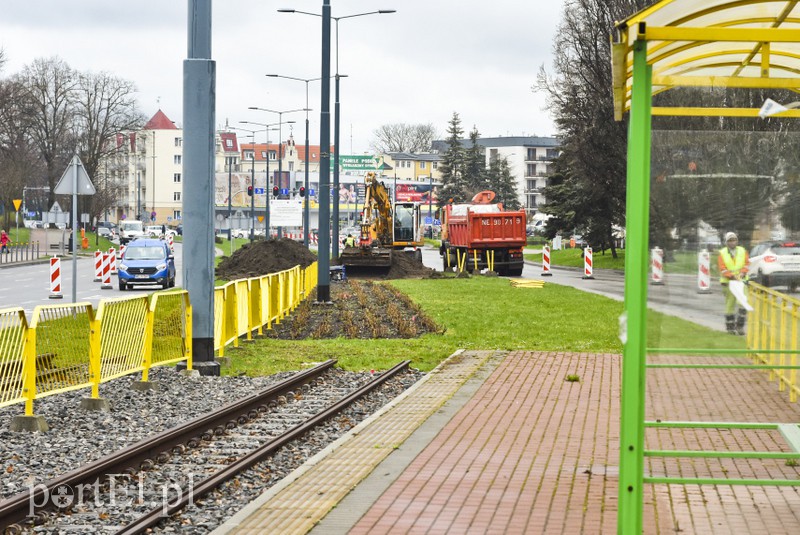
{"x": 366, "y": 257}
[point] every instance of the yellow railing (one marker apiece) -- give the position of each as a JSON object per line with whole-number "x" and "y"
{"x": 244, "y": 306}
{"x": 772, "y": 335}
{"x": 71, "y": 346}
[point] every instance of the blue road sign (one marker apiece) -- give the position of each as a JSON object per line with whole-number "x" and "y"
{"x": 311, "y": 192}
{"x": 258, "y": 191}
{"x": 284, "y": 191}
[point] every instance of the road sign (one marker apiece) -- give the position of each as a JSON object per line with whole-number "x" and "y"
{"x": 17, "y": 204}
{"x": 311, "y": 192}
{"x": 284, "y": 191}
{"x": 258, "y": 191}
{"x": 84, "y": 183}
{"x": 152, "y": 215}
{"x": 286, "y": 213}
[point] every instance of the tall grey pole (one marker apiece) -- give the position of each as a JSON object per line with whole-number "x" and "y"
{"x": 267, "y": 193}
{"x": 306, "y": 218}
{"x": 280, "y": 159}
{"x": 74, "y": 229}
{"x": 253, "y": 191}
{"x": 230, "y": 212}
{"x": 199, "y": 100}
{"x": 324, "y": 276}
{"x": 335, "y": 216}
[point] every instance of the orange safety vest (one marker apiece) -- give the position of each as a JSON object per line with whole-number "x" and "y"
{"x": 734, "y": 265}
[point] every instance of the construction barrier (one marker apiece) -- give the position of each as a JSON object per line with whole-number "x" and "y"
{"x": 245, "y": 306}
{"x": 98, "y": 266}
{"x": 170, "y": 242}
{"x": 656, "y": 266}
{"x": 113, "y": 264}
{"x": 105, "y": 281}
{"x": 546, "y": 262}
{"x": 588, "y": 270}
{"x": 72, "y": 346}
{"x": 703, "y": 272}
{"x": 55, "y": 278}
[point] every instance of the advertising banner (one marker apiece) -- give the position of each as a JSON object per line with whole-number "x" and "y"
{"x": 416, "y": 193}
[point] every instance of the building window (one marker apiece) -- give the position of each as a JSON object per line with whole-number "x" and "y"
{"x": 228, "y": 143}
{"x": 435, "y": 165}
{"x": 263, "y": 155}
{"x": 492, "y": 154}
{"x": 273, "y": 155}
{"x": 531, "y": 169}
{"x": 531, "y": 154}
{"x": 176, "y": 215}
{"x": 176, "y": 196}
{"x": 178, "y": 142}
{"x": 176, "y": 178}
{"x": 249, "y": 155}
{"x": 176, "y": 159}
{"x": 422, "y": 165}
{"x": 291, "y": 166}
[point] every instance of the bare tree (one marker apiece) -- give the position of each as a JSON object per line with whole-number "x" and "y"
{"x": 401, "y": 137}
{"x": 50, "y": 102}
{"x": 105, "y": 106}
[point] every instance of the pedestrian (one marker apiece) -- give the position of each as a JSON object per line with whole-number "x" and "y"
{"x": 4, "y": 241}
{"x": 349, "y": 241}
{"x": 732, "y": 263}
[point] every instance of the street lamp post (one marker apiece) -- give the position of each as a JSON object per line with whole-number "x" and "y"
{"x": 306, "y": 217}
{"x": 267, "y": 129}
{"x": 280, "y": 145}
{"x": 336, "y": 149}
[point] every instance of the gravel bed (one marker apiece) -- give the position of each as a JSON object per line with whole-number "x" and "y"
{"x": 77, "y": 436}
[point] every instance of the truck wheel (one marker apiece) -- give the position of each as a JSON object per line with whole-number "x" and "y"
{"x": 418, "y": 255}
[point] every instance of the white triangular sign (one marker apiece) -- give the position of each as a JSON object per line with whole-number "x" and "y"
{"x": 771, "y": 107}
{"x": 65, "y": 184}
{"x": 56, "y": 207}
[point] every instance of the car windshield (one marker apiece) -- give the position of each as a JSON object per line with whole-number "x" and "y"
{"x": 786, "y": 249}
{"x": 144, "y": 253}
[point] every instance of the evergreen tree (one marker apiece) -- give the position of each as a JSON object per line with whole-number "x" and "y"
{"x": 452, "y": 165}
{"x": 502, "y": 183}
{"x": 475, "y": 178}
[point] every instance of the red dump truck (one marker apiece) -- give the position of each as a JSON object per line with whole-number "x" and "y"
{"x": 483, "y": 235}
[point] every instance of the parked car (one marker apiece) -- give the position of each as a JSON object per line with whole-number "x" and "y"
{"x": 146, "y": 261}
{"x": 776, "y": 263}
{"x": 106, "y": 232}
{"x": 154, "y": 231}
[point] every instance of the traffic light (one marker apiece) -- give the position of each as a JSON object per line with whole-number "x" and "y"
{"x": 302, "y": 191}
{"x": 275, "y": 191}
{"x": 250, "y": 191}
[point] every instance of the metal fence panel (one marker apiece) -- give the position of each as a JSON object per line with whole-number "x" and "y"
{"x": 12, "y": 352}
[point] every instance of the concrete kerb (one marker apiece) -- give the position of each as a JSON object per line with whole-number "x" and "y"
{"x": 236, "y": 520}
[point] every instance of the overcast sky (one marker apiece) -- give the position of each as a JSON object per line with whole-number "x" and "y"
{"x": 419, "y": 65}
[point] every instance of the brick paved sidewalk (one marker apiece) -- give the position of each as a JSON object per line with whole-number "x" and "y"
{"x": 534, "y": 453}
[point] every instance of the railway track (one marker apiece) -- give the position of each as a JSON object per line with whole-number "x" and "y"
{"x": 152, "y": 480}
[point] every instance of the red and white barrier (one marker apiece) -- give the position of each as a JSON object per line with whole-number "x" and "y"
{"x": 121, "y": 251}
{"x": 108, "y": 260}
{"x": 98, "y": 266}
{"x": 55, "y": 278}
{"x": 657, "y": 266}
{"x": 703, "y": 272}
{"x": 588, "y": 270}
{"x": 113, "y": 254}
{"x": 170, "y": 242}
{"x": 546, "y": 261}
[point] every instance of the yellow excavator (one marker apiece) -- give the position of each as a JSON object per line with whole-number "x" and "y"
{"x": 384, "y": 227}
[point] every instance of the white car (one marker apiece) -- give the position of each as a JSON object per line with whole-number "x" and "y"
{"x": 154, "y": 231}
{"x": 776, "y": 263}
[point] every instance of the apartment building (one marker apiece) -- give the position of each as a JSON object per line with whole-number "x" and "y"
{"x": 529, "y": 158}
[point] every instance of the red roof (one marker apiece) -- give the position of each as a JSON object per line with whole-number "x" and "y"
{"x": 160, "y": 121}
{"x": 229, "y": 142}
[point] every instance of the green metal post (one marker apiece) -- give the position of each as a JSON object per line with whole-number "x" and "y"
{"x": 629, "y": 519}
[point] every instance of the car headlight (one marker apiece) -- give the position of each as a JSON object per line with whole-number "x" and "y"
{"x": 161, "y": 267}
{"x": 123, "y": 267}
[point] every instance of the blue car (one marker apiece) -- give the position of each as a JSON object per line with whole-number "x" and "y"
{"x": 147, "y": 261}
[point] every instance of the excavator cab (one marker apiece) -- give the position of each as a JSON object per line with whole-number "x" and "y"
{"x": 407, "y": 227}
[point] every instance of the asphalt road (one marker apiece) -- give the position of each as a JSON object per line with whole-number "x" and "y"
{"x": 28, "y": 285}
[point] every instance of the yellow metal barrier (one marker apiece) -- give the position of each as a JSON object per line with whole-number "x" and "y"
{"x": 121, "y": 328}
{"x": 772, "y": 335}
{"x": 68, "y": 347}
{"x": 13, "y": 326}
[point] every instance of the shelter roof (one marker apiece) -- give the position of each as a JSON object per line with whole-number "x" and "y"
{"x": 710, "y": 43}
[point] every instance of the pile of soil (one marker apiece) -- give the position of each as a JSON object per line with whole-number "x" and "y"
{"x": 263, "y": 257}
{"x": 358, "y": 309}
